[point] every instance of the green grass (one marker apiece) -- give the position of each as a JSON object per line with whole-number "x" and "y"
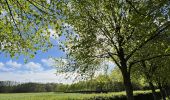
{"x": 58, "y": 96}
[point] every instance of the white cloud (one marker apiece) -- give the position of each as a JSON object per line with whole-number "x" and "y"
{"x": 33, "y": 72}
{"x": 1, "y": 65}
{"x": 4, "y": 69}
{"x": 13, "y": 64}
{"x": 48, "y": 62}
{"x": 32, "y": 66}
{"x": 42, "y": 76}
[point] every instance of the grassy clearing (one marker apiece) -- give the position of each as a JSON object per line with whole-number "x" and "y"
{"x": 59, "y": 96}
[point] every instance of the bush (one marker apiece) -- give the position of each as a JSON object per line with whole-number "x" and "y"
{"x": 137, "y": 96}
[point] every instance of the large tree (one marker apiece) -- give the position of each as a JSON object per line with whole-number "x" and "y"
{"x": 112, "y": 29}
{"x": 24, "y": 25}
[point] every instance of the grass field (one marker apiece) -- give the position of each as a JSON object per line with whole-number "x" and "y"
{"x": 57, "y": 96}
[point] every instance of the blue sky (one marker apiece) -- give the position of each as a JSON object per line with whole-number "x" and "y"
{"x": 37, "y": 69}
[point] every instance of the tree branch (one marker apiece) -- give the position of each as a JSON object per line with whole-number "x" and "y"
{"x": 105, "y": 55}
{"x": 37, "y": 7}
{"x": 149, "y": 58}
{"x": 42, "y": 6}
{"x": 130, "y": 3}
{"x": 157, "y": 33}
{"x": 114, "y": 60}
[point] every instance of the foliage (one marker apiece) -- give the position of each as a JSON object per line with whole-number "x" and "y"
{"x": 24, "y": 25}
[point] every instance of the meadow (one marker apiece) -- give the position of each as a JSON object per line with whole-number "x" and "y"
{"x": 60, "y": 96}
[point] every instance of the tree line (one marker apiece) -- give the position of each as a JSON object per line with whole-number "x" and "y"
{"x": 15, "y": 87}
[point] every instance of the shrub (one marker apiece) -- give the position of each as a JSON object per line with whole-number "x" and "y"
{"x": 137, "y": 96}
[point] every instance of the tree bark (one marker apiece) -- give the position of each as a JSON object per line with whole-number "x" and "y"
{"x": 153, "y": 90}
{"x": 128, "y": 87}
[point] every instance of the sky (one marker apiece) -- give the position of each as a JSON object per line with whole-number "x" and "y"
{"x": 38, "y": 69}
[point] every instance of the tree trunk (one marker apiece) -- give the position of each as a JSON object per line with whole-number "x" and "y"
{"x": 125, "y": 73}
{"x": 153, "y": 90}
{"x": 161, "y": 91}
{"x": 128, "y": 86}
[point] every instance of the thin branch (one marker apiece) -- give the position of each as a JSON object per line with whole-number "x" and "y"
{"x": 130, "y": 3}
{"x": 114, "y": 60}
{"x": 37, "y": 7}
{"x": 10, "y": 11}
{"x": 105, "y": 55}
{"x": 29, "y": 19}
{"x": 27, "y": 12}
{"x": 43, "y": 6}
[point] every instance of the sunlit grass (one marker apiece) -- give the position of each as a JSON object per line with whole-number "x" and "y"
{"x": 60, "y": 96}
